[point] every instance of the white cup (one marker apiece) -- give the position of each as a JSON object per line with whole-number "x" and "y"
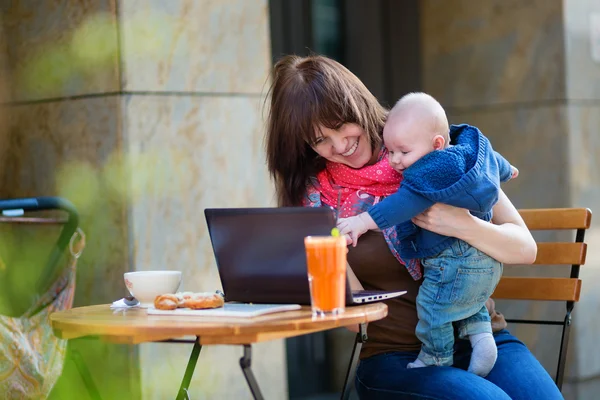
{"x": 146, "y": 285}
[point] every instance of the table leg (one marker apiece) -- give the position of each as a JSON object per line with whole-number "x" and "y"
{"x": 245, "y": 363}
{"x": 361, "y": 337}
{"x": 189, "y": 371}
{"x": 86, "y": 376}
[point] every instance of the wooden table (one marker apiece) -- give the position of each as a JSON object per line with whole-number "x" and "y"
{"x": 135, "y": 326}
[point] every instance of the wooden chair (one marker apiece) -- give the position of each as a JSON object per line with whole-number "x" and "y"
{"x": 552, "y": 253}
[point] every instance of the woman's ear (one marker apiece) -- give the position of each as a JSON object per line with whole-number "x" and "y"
{"x": 439, "y": 142}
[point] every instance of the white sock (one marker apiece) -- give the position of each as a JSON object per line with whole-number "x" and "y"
{"x": 416, "y": 364}
{"x": 484, "y": 354}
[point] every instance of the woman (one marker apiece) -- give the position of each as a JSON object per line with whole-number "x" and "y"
{"x": 324, "y": 143}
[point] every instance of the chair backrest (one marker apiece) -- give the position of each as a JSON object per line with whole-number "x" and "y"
{"x": 551, "y": 253}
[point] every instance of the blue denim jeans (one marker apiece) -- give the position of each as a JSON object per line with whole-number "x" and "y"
{"x": 516, "y": 375}
{"x": 457, "y": 282}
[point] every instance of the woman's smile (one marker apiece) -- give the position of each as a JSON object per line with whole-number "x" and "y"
{"x": 352, "y": 149}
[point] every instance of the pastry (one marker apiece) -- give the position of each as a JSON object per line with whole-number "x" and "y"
{"x": 194, "y": 301}
{"x": 198, "y": 301}
{"x": 181, "y": 296}
{"x": 166, "y": 302}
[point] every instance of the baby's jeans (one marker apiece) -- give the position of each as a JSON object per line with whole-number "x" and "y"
{"x": 457, "y": 282}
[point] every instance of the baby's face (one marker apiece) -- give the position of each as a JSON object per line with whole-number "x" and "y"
{"x": 407, "y": 142}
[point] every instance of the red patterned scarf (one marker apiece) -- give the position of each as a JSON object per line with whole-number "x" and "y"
{"x": 377, "y": 180}
{"x": 359, "y": 189}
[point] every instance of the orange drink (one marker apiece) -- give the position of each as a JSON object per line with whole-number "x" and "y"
{"x": 326, "y": 265}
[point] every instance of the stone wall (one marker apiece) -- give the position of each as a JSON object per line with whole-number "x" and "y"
{"x": 142, "y": 113}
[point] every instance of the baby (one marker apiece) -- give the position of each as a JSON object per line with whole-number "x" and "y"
{"x": 454, "y": 165}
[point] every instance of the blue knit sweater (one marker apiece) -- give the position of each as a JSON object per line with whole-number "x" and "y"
{"x": 466, "y": 174}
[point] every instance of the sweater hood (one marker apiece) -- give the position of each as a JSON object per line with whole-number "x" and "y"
{"x": 451, "y": 169}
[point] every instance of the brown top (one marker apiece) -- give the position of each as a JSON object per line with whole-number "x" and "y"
{"x": 377, "y": 269}
{"x": 134, "y": 325}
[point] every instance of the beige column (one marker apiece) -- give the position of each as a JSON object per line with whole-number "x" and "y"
{"x": 194, "y": 76}
{"x": 523, "y": 73}
{"x": 143, "y": 113}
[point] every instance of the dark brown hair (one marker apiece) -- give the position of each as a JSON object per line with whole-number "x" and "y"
{"x": 306, "y": 93}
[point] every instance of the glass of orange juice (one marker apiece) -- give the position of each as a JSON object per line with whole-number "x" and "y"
{"x": 326, "y": 265}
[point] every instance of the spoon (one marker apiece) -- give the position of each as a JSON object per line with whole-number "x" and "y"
{"x": 130, "y": 301}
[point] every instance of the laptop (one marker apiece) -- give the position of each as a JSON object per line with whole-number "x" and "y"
{"x": 261, "y": 258}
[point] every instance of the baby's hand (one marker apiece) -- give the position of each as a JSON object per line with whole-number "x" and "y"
{"x": 352, "y": 227}
{"x": 515, "y": 172}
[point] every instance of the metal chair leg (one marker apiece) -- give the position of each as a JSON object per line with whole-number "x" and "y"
{"x": 361, "y": 337}
{"x": 245, "y": 363}
{"x": 564, "y": 343}
{"x": 189, "y": 371}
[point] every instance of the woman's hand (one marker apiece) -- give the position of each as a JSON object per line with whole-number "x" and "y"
{"x": 445, "y": 220}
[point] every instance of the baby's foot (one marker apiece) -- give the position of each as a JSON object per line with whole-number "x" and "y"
{"x": 484, "y": 354}
{"x": 416, "y": 364}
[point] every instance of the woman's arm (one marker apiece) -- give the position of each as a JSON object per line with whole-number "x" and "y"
{"x": 354, "y": 282}
{"x": 507, "y": 240}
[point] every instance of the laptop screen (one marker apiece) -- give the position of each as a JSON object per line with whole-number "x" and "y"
{"x": 260, "y": 251}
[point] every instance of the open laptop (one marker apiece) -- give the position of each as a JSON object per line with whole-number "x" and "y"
{"x": 261, "y": 258}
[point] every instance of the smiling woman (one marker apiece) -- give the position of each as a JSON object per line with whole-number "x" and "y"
{"x": 319, "y": 111}
{"x": 324, "y": 144}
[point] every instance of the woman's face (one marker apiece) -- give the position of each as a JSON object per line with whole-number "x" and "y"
{"x": 347, "y": 145}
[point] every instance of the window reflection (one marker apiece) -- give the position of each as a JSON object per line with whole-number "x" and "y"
{"x": 327, "y": 28}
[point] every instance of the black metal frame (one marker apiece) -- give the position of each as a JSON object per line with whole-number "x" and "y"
{"x": 566, "y": 323}
{"x": 70, "y": 226}
{"x": 361, "y": 338}
{"x": 386, "y": 32}
{"x": 245, "y": 364}
{"x": 189, "y": 370}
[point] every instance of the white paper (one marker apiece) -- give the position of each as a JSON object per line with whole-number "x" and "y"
{"x": 229, "y": 310}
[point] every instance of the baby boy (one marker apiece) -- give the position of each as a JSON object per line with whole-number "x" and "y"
{"x": 455, "y": 165}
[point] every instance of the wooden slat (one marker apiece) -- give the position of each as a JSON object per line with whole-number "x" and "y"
{"x": 556, "y": 218}
{"x": 553, "y": 289}
{"x": 555, "y": 253}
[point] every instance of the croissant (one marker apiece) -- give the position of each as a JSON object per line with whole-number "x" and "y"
{"x": 194, "y": 301}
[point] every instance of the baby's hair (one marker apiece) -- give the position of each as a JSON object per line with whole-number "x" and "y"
{"x": 422, "y": 105}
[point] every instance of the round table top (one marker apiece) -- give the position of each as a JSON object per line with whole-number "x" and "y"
{"x": 134, "y": 325}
